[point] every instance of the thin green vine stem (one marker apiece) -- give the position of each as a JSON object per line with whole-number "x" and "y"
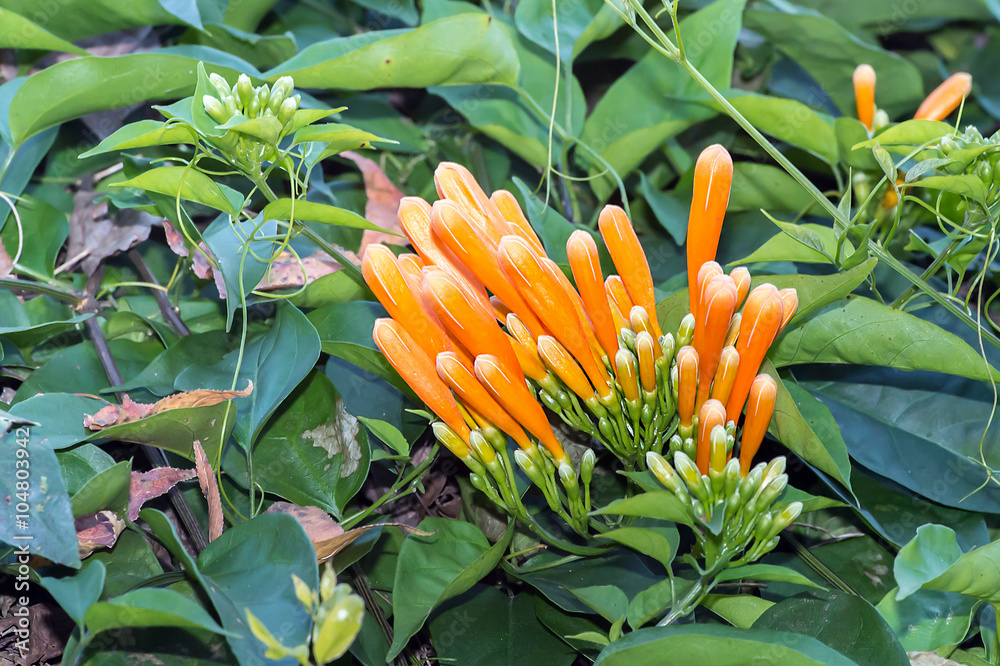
{"x": 64, "y": 295}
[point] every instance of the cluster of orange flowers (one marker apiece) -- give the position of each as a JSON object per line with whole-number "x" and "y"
{"x": 486, "y": 329}
{"x": 936, "y": 106}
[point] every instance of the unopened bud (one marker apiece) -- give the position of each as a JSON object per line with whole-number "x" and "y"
{"x": 662, "y": 470}
{"x": 772, "y": 491}
{"x": 287, "y": 111}
{"x": 220, "y": 85}
{"x": 880, "y": 120}
{"x": 567, "y": 474}
{"x": 685, "y": 332}
{"x": 282, "y": 88}
{"x": 774, "y": 469}
{"x": 787, "y": 516}
{"x": 244, "y": 90}
{"x": 215, "y": 109}
{"x": 449, "y": 439}
{"x": 587, "y": 464}
{"x": 627, "y": 336}
{"x": 483, "y": 450}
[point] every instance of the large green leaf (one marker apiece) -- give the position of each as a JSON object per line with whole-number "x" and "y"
{"x": 149, "y": 607}
{"x": 829, "y": 53}
{"x": 433, "y": 569}
{"x": 141, "y": 134}
{"x": 790, "y": 121}
{"x": 844, "y": 622}
{"x": 275, "y": 362}
{"x": 657, "y": 541}
{"x": 18, "y": 32}
{"x": 739, "y": 610}
{"x": 644, "y": 107}
{"x": 196, "y": 349}
{"x": 466, "y": 49}
{"x": 76, "y": 87}
{"x": 77, "y": 19}
{"x": 241, "y": 251}
{"x": 186, "y": 183}
{"x": 67, "y": 429}
{"x": 763, "y": 186}
{"x": 75, "y": 594}
{"x": 722, "y": 646}
{"x": 658, "y": 504}
{"x": 311, "y": 211}
{"x": 864, "y": 332}
{"x": 932, "y": 560}
{"x": 927, "y": 620}
{"x": 311, "y": 452}
{"x": 45, "y": 229}
{"x": 784, "y": 247}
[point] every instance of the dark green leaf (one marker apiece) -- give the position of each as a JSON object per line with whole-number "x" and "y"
{"x": 75, "y": 594}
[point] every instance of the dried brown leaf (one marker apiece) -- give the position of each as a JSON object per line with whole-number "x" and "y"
{"x": 111, "y": 415}
{"x": 285, "y": 271}
{"x": 93, "y": 234}
{"x": 145, "y": 486}
{"x": 98, "y": 530}
{"x": 200, "y": 264}
{"x": 315, "y": 521}
{"x": 330, "y": 547}
{"x": 383, "y": 202}
{"x": 210, "y": 487}
{"x": 130, "y": 411}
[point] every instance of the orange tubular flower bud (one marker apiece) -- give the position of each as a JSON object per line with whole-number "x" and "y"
{"x": 644, "y": 349}
{"x": 626, "y": 375}
{"x": 500, "y": 311}
{"x": 565, "y": 368}
{"x": 479, "y": 254}
{"x": 455, "y": 183}
{"x": 531, "y": 365}
{"x": 516, "y": 221}
{"x": 734, "y": 329}
{"x": 551, "y": 304}
{"x": 864, "y": 94}
{"x": 741, "y": 277}
{"x": 415, "y": 220}
{"x": 687, "y": 384}
{"x": 714, "y": 314}
{"x": 520, "y": 332}
{"x": 630, "y": 260}
{"x": 471, "y": 321}
{"x": 760, "y": 407}
{"x": 461, "y": 379}
{"x": 410, "y": 266}
{"x": 418, "y": 371}
{"x": 578, "y": 307}
{"x": 789, "y": 304}
{"x": 725, "y": 376}
{"x": 762, "y": 316}
{"x": 586, "y": 265}
{"x": 945, "y": 98}
{"x": 621, "y": 304}
{"x": 640, "y": 321}
{"x": 384, "y": 278}
{"x": 711, "y": 414}
{"x": 708, "y": 270}
{"x": 713, "y": 177}
{"x": 513, "y": 395}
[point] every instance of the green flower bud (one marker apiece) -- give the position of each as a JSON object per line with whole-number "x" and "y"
{"x": 880, "y": 120}
{"x": 685, "y": 332}
{"x": 762, "y": 530}
{"x": 668, "y": 345}
{"x": 787, "y": 516}
{"x": 587, "y": 464}
{"x": 947, "y": 145}
{"x": 482, "y": 448}
{"x": 282, "y": 89}
{"x": 567, "y": 474}
{"x": 732, "y": 476}
{"x": 984, "y": 172}
{"x": 606, "y": 428}
{"x": 334, "y": 635}
{"x": 733, "y": 504}
{"x": 751, "y": 483}
{"x": 662, "y": 470}
{"x": 627, "y": 336}
{"x": 771, "y": 491}
{"x": 546, "y": 399}
{"x": 215, "y": 109}
{"x": 303, "y": 593}
{"x": 220, "y": 85}
{"x": 480, "y": 483}
{"x": 244, "y": 90}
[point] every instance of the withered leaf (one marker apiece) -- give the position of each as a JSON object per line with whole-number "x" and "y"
{"x": 145, "y": 486}
{"x": 210, "y": 487}
{"x": 97, "y": 530}
{"x": 330, "y": 547}
{"x": 285, "y": 271}
{"x": 200, "y": 264}
{"x": 315, "y": 521}
{"x": 383, "y": 202}
{"x": 130, "y": 410}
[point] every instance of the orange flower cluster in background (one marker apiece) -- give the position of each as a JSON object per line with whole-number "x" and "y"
{"x": 487, "y": 329}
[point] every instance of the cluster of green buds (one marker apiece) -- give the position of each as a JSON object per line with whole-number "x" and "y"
{"x": 336, "y": 613}
{"x": 255, "y": 118}
{"x": 735, "y": 518}
{"x": 972, "y": 153}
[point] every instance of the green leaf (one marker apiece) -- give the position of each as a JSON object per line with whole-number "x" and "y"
{"x": 728, "y": 646}
{"x": 649, "y": 103}
{"x": 311, "y": 452}
{"x": 388, "y": 433}
{"x": 338, "y": 137}
{"x": 927, "y": 620}
{"x": 488, "y": 627}
{"x": 435, "y": 568}
{"x": 966, "y": 185}
{"x": 57, "y": 433}
{"x": 658, "y": 504}
{"x": 45, "y": 229}
{"x": 196, "y": 349}
{"x": 186, "y": 183}
{"x": 241, "y": 252}
{"x": 49, "y": 518}
{"x": 790, "y": 121}
{"x": 74, "y": 88}
{"x": 17, "y": 32}
{"x": 108, "y": 489}
{"x": 765, "y": 572}
{"x": 660, "y": 543}
{"x": 150, "y": 607}
{"x": 932, "y": 560}
{"x": 606, "y": 600}
{"x": 535, "y": 21}
{"x": 739, "y": 610}
{"x": 829, "y": 53}
{"x": 141, "y": 134}
{"x": 762, "y": 186}
{"x": 310, "y": 211}
{"x": 265, "y": 128}
{"x": 670, "y": 213}
{"x": 864, "y": 332}
{"x": 909, "y": 133}
{"x": 275, "y": 362}
{"x": 75, "y": 594}
{"x": 465, "y": 49}
{"x": 784, "y": 247}
{"x": 844, "y": 622}
{"x": 130, "y": 562}
{"x": 850, "y": 132}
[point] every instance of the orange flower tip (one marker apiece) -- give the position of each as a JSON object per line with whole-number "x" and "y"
{"x": 741, "y": 278}
{"x": 946, "y": 97}
{"x": 645, "y": 351}
{"x": 518, "y": 223}
{"x": 450, "y": 439}
{"x": 789, "y": 304}
{"x": 559, "y": 361}
{"x": 626, "y": 374}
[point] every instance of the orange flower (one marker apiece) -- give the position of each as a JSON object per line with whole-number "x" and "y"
{"x": 470, "y": 320}
{"x": 734, "y": 329}
{"x": 626, "y": 375}
{"x": 586, "y": 265}
{"x": 457, "y": 375}
{"x": 551, "y": 304}
{"x": 712, "y": 414}
{"x": 640, "y": 321}
{"x": 455, "y": 183}
{"x": 708, "y": 270}
{"x": 500, "y": 311}
{"x": 531, "y": 365}
{"x": 725, "y": 376}
{"x": 621, "y": 304}
{"x": 630, "y": 260}
{"x": 410, "y": 266}
{"x": 513, "y": 395}
{"x": 762, "y": 316}
{"x": 387, "y": 282}
{"x": 718, "y": 302}
{"x": 713, "y": 177}
{"x": 741, "y": 277}
{"x": 718, "y": 455}
{"x": 516, "y": 221}
{"x": 415, "y": 220}
{"x": 418, "y": 371}
{"x": 578, "y": 307}
{"x": 864, "y": 94}
{"x": 687, "y": 383}
{"x": 760, "y": 407}
{"x": 789, "y": 304}
{"x": 645, "y": 350}
{"x": 565, "y": 368}
{"x": 945, "y": 98}
{"x": 478, "y": 254}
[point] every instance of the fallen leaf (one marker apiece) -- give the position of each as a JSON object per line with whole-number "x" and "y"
{"x": 286, "y": 271}
{"x": 330, "y": 547}
{"x": 210, "y": 487}
{"x": 383, "y": 202}
{"x": 315, "y": 521}
{"x": 93, "y": 234}
{"x": 145, "y": 486}
{"x": 130, "y": 410}
{"x": 97, "y": 530}
{"x": 49, "y": 627}
{"x": 200, "y": 263}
